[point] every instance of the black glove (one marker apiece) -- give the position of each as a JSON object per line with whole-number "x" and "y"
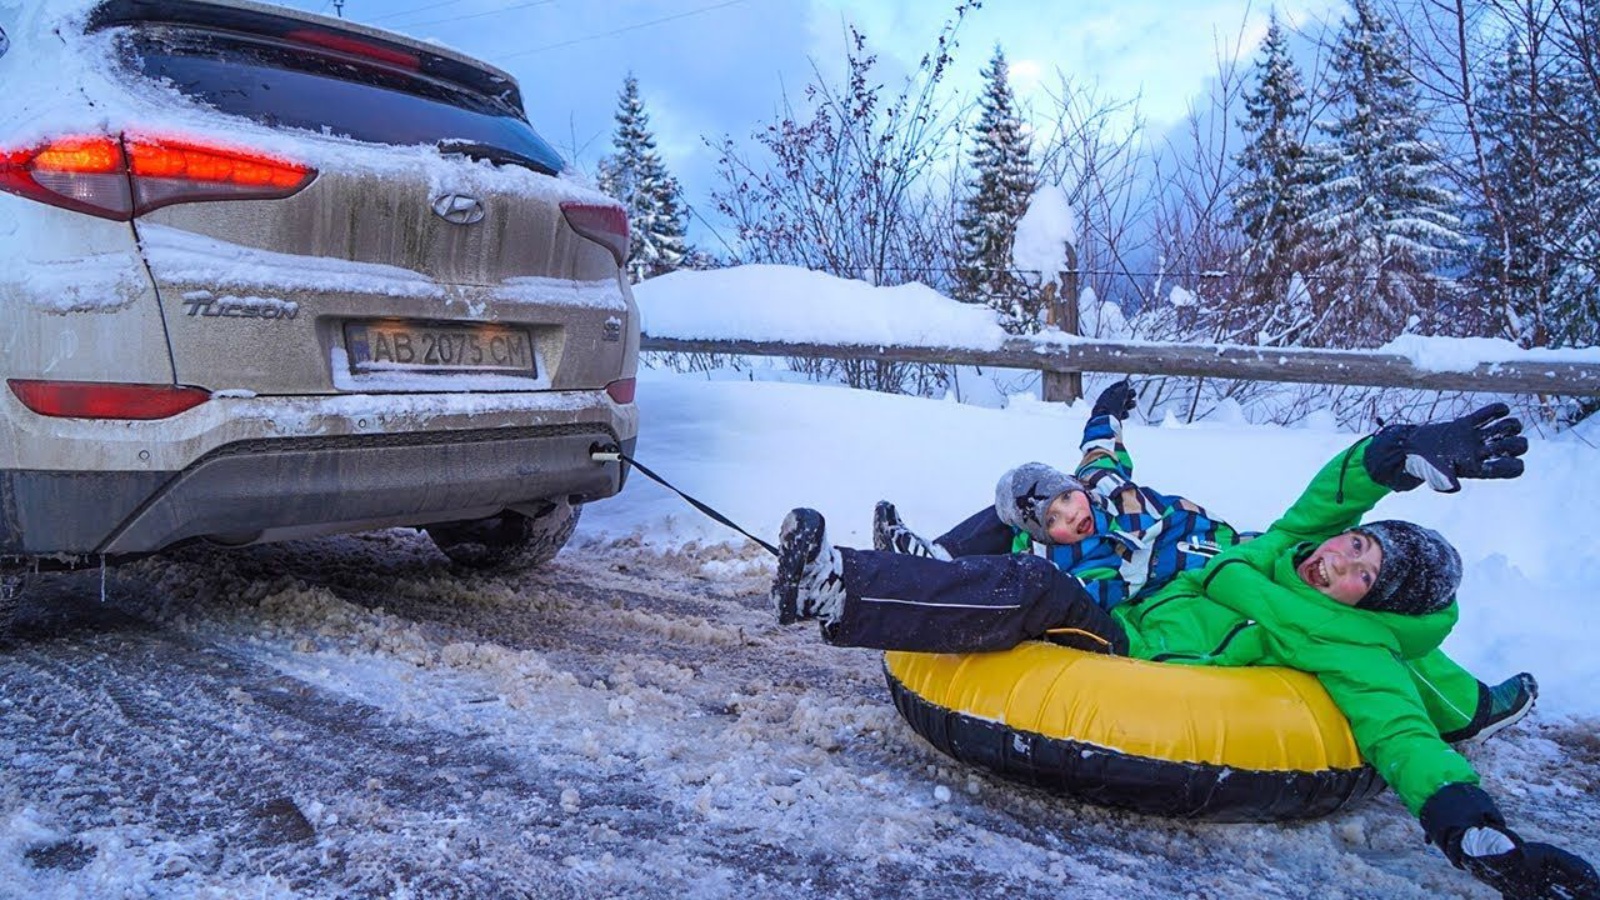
{"x": 1117, "y": 401}
{"x": 1531, "y": 871}
{"x": 1485, "y": 444}
{"x": 1464, "y": 822}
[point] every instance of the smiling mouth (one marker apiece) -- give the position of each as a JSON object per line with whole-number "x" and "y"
{"x": 1084, "y": 527}
{"x": 1316, "y": 573}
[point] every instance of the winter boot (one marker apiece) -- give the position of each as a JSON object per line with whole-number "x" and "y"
{"x": 1509, "y": 701}
{"x": 810, "y": 582}
{"x": 891, "y": 535}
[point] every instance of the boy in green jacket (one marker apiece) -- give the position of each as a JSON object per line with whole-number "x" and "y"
{"x": 1318, "y": 591}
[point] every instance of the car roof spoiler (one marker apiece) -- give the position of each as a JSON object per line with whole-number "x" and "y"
{"x": 318, "y": 33}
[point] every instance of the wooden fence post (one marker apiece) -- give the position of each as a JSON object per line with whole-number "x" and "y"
{"x": 1064, "y": 387}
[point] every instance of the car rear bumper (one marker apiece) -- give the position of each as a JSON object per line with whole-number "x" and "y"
{"x": 276, "y": 488}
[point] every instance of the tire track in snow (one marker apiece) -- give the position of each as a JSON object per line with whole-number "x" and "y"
{"x": 352, "y": 717}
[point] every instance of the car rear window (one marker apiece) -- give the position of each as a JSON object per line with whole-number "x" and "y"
{"x": 285, "y": 83}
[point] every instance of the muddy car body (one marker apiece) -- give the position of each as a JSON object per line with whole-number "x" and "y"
{"x": 266, "y": 275}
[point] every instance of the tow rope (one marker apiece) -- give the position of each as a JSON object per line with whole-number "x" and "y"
{"x": 613, "y": 453}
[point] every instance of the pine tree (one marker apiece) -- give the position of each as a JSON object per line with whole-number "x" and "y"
{"x": 635, "y": 175}
{"x": 1576, "y": 287}
{"x": 1269, "y": 202}
{"x": 1379, "y": 212}
{"x": 1531, "y": 174}
{"x": 1002, "y": 184}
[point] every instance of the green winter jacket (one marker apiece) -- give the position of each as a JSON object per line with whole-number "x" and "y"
{"x": 1248, "y": 607}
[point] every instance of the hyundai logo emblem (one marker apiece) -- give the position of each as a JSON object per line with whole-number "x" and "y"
{"x": 459, "y": 209}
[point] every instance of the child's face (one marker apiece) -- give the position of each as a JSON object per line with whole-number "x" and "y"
{"x": 1067, "y": 519}
{"x": 1345, "y": 567}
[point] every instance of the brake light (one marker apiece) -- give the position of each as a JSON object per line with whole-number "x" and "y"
{"x": 166, "y": 172}
{"x": 604, "y": 223}
{"x": 91, "y": 156}
{"x": 83, "y": 174}
{"x": 94, "y": 400}
{"x": 622, "y": 391}
{"x": 119, "y": 179}
{"x": 355, "y": 47}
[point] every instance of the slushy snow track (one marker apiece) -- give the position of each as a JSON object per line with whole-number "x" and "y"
{"x": 351, "y": 717}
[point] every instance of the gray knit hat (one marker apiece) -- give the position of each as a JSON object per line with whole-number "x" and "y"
{"x": 1024, "y": 493}
{"x": 1420, "y": 570}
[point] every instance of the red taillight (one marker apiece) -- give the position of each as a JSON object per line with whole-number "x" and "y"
{"x": 93, "y": 400}
{"x": 356, "y": 47}
{"x": 87, "y": 156}
{"x": 622, "y": 391}
{"x": 83, "y": 174}
{"x": 602, "y": 223}
{"x": 167, "y": 172}
{"x": 120, "y": 179}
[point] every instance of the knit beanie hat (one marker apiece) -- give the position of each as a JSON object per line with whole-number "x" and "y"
{"x": 1420, "y": 570}
{"x": 1024, "y": 493}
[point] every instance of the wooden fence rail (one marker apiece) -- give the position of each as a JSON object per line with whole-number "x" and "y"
{"x": 1193, "y": 360}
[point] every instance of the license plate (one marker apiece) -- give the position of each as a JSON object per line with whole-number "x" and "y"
{"x": 413, "y": 347}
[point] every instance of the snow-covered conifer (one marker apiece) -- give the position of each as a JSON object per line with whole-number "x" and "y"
{"x": 1533, "y": 201}
{"x": 1269, "y": 200}
{"x": 1382, "y": 219}
{"x": 635, "y": 175}
{"x": 1576, "y": 286}
{"x": 1002, "y": 183}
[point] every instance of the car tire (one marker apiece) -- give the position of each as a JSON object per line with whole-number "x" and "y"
{"x": 507, "y": 542}
{"x": 12, "y": 587}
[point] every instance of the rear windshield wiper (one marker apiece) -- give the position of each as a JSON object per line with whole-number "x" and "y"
{"x": 500, "y": 156}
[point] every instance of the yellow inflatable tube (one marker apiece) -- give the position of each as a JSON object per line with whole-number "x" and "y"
{"x": 1222, "y": 744}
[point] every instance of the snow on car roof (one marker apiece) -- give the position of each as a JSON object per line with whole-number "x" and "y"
{"x": 89, "y": 91}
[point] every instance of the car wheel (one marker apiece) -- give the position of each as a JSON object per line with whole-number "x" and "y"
{"x": 506, "y": 542}
{"x": 11, "y": 587}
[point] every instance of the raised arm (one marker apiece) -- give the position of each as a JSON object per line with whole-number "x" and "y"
{"x": 1484, "y": 444}
{"x": 1106, "y": 467}
{"x": 1338, "y": 496}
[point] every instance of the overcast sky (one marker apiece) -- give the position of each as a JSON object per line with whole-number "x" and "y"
{"x": 712, "y": 67}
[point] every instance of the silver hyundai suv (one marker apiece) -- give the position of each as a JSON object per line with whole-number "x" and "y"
{"x": 268, "y": 275}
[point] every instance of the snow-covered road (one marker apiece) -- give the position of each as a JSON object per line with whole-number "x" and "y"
{"x": 350, "y": 717}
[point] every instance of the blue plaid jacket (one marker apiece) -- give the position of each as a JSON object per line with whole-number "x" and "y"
{"x": 1142, "y": 538}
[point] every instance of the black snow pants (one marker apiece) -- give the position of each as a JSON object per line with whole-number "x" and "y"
{"x": 972, "y": 604}
{"x": 979, "y": 534}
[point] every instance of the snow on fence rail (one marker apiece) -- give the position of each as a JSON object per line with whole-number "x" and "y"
{"x": 1064, "y": 359}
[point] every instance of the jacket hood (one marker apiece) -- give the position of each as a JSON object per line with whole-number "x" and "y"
{"x": 1410, "y": 635}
